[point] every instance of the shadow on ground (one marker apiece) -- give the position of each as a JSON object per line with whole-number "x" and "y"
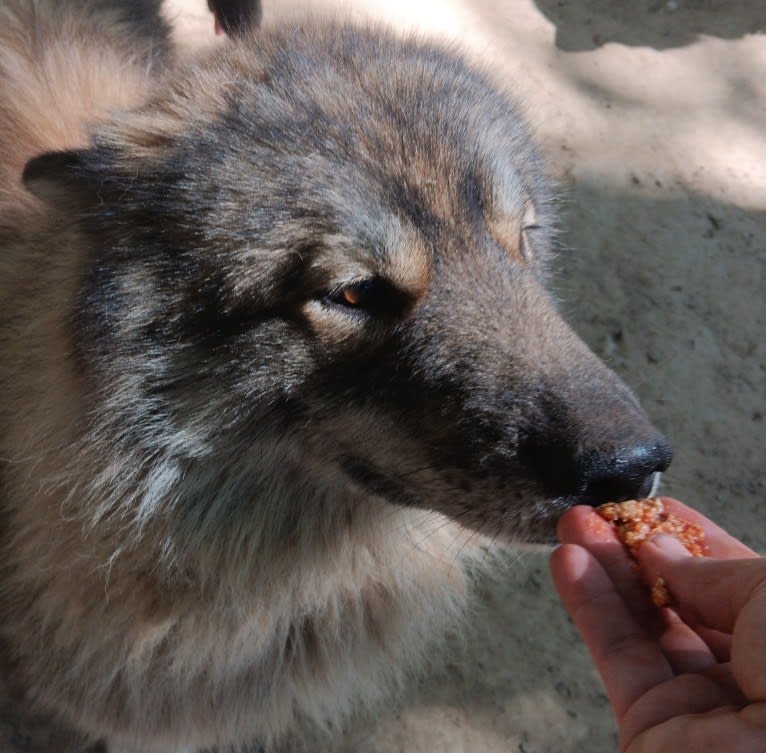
{"x": 588, "y": 24}
{"x": 667, "y": 287}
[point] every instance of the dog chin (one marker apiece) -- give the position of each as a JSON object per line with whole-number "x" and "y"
{"x": 540, "y": 529}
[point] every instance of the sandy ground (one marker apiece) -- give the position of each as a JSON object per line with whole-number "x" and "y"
{"x": 653, "y": 118}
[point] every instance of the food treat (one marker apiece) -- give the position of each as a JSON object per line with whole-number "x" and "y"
{"x": 638, "y": 519}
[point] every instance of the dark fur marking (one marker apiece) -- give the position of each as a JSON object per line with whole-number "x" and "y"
{"x": 376, "y": 482}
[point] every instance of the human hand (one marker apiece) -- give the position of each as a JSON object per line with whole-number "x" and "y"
{"x": 691, "y": 678}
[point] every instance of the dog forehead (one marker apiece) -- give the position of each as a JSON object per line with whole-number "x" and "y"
{"x": 365, "y": 94}
{"x": 301, "y": 135}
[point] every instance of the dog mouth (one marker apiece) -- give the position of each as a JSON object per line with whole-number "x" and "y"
{"x": 522, "y": 514}
{"x": 595, "y": 496}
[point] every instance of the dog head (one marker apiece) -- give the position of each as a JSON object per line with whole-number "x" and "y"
{"x": 326, "y": 251}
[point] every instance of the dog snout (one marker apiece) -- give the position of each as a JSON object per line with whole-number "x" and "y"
{"x": 608, "y": 471}
{"x": 614, "y": 474}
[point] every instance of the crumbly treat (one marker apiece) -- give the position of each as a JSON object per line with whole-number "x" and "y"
{"x": 638, "y": 519}
{"x": 660, "y": 594}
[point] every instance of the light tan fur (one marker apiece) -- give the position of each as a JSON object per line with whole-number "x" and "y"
{"x": 58, "y": 77}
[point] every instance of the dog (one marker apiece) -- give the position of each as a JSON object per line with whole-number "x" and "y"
{"x": 235, "y": 16}
{"x": 279, "y": 363}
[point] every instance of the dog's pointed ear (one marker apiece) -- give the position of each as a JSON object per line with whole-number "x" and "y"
{"x": 236, "y": 17}
{"x": 60, "y": 179}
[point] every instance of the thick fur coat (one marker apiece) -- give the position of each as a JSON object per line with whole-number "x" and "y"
{"x": 278, "y": 359}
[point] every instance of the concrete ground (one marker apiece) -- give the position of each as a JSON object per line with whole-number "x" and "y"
{"x": 653, "y": 117}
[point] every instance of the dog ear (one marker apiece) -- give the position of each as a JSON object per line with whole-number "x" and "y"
{"x": 61, "y": 179}
{"x": 235, "y": 17}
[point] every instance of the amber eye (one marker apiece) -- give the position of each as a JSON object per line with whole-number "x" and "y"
{"x": 359, "y": 295}
{"x": 375, "y": 296}
{"x": 353, "y": 295}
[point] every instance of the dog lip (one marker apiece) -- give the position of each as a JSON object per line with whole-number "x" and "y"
{"x": 559, "y": 505}
{"x": 649, "y": 488}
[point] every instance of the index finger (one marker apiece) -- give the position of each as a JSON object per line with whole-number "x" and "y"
{"x": 629, "y": 661}
{"x": 583, "y": 526}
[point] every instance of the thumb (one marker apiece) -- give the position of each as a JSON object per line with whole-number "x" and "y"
{"x": 727, "y": 595}
{"x": 707, "y": 591}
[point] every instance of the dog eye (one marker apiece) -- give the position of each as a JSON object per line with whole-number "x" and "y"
{"x": 357, "y": 295}
{"x": 374, "y": 296}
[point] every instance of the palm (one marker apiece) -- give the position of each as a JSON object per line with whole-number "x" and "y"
{"x": 693, "y": 712}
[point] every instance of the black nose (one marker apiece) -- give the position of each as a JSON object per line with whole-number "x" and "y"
{"x": 616, "y": 474}
{"x": 594, "y": 475}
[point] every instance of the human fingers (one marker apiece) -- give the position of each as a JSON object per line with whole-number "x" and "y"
{"x": 720, "y": 544}
{"x": 661, "y": 713}
{"x": 684, "y": 648}
{"x": 723, "y": 730}
{"x": 726, "y": 595}
{"x": 708, "y": 591}
{"x": 748, "y": 648}
{"x": 718, "y": 642}
{"x": 584, "y": 527}
{"x": 629, "y": 661}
